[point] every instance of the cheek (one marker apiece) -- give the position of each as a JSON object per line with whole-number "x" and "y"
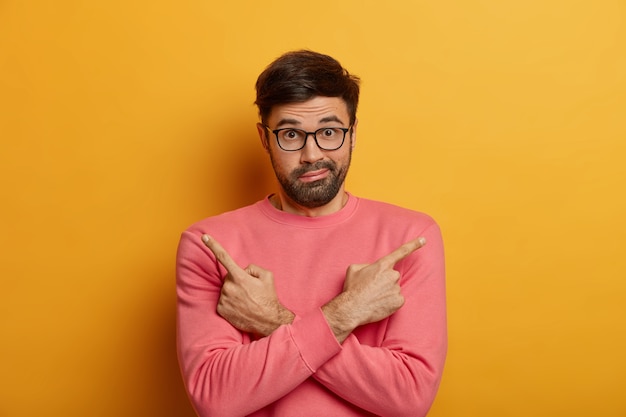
{"x": 283, "y": 162}
{"x": 344, "y": 157}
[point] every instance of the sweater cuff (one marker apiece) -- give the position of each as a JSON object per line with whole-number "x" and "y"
{"x": 314, "y": 339}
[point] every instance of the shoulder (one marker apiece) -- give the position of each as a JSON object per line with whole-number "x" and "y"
{"x": 228, "y": 228}
{"x": 392, "y": 212}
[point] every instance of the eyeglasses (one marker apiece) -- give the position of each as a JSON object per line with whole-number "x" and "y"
{"x": 326, "y": 138}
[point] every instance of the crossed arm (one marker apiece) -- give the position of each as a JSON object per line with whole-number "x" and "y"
{"x": 402, "y": 374}
{"x": 371, "y": 292}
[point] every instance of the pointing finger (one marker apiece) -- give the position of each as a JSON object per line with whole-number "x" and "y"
{"x": 221, "y": 255}
{"x": 403, "y": 251}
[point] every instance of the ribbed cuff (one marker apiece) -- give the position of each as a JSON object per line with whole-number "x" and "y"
{"x": 314, "y": 339}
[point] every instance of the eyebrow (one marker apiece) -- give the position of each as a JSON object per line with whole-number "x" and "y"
{"x": 283, "y": 122}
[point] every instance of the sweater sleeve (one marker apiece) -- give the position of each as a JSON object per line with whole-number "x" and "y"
{"x": 401, "y": 376}
{"x": 225, "y": 372}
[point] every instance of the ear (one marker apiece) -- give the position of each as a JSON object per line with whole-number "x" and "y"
{"x": 263, "y": 136}
{"x": 353, "y": 134}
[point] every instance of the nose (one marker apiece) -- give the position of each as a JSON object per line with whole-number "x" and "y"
{"x": 311, "y": 153}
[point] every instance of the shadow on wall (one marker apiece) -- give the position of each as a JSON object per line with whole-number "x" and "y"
{"x": 165, "y": 395}
{"x": 144, "y": 377}
{"x": 251, "y": 177}
{"x": 235, "y": 169}
{"x": 231, "y": 174}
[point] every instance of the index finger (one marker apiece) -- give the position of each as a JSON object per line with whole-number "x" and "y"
{"x": 221, "y": 255}
{"x": 402, "y": 252}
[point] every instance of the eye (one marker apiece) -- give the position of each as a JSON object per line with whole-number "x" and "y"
{"x": 290, "y": 134}
{"x": 329, "y": 133}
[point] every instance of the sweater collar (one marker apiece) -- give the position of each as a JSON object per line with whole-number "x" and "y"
{"x": 309, "y": 222}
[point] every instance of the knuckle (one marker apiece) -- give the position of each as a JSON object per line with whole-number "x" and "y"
{"x": 221, "y": 256}
{"x": 227, "y": 288}
{"x": 392, "y": 276}
{"x": 385, "y": 263}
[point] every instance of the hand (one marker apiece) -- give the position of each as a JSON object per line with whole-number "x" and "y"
{"x": 370, "y": 292}
{"x": 248, "y": 298}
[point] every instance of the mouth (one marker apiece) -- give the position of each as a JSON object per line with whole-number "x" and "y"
{"x": 316, "y": 175}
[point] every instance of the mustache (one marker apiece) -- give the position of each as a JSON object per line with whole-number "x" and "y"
{"x": 330, "y": 165}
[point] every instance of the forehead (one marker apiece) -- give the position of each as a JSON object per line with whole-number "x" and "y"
{"x": 311, "y": 112}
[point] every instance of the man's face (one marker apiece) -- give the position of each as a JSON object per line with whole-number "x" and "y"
{"x": 310, "y": 177}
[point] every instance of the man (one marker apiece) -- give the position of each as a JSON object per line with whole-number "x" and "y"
{"x": 311, "y": 302}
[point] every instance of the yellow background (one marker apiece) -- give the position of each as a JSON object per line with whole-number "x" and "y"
{"x": 122, "y": 122}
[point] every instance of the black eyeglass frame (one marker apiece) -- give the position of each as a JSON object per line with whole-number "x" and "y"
{"x": 306, "y": 137}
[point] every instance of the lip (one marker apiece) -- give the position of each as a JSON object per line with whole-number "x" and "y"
{"x": 314, "y": 175}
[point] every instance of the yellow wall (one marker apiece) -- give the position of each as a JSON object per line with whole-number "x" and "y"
{"x": 122, "y": 122}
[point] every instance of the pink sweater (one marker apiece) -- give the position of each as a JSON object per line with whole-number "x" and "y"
{"x": 389, "y": 368}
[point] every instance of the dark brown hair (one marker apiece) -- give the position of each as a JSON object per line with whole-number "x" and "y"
{"x": 298, "y": 76}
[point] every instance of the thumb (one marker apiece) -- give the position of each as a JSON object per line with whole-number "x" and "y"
{"x": 257, "y": 272}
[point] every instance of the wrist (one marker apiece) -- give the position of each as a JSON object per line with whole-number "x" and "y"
{"x": 338, "y": 313}
{"x": 280, "y": 317}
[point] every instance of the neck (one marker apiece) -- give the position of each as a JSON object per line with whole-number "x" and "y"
{"x": 284, "y": 203}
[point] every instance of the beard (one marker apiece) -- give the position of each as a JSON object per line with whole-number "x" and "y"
{"x": 317, "y": 193}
